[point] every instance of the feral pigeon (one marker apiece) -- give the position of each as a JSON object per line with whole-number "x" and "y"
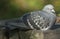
{"x": 39, "y": 20}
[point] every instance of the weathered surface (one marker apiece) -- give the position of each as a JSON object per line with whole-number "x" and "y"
{"x": 34, "y": 34}
{"x": 52, "y": 34}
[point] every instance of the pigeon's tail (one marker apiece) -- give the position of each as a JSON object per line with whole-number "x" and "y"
{"x": 2, "y": 22}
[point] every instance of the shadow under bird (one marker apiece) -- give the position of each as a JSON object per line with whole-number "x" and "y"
{"x": 39, "y": 20}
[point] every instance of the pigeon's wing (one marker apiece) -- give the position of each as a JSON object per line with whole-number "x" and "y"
{"x": 39, "y": 19}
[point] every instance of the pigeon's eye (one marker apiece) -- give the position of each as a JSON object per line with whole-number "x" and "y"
{"x": 50, "y": 9}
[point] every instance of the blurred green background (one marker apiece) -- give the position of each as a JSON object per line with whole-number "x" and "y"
{"x": 16, "y": 8}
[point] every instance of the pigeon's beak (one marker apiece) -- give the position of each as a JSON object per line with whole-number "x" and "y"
{"x": 53, "y": 11}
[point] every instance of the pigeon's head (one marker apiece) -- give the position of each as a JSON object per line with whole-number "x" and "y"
{"x": 49, "y": 8}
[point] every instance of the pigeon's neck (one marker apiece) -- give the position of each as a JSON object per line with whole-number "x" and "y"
{"x": 49, "y": 12}
{"x": 46, "y": 11}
